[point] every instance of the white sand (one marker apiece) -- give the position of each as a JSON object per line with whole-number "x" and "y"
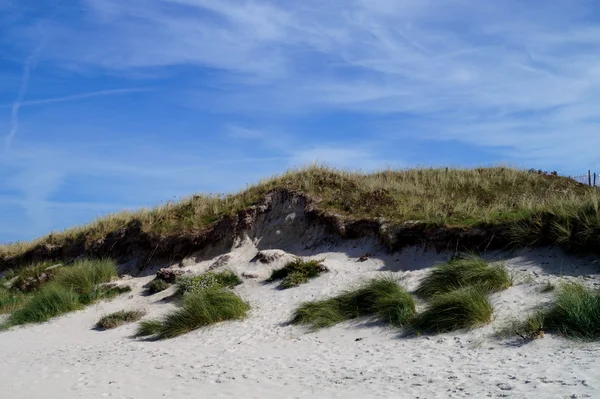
{"x": 261, "y": 357}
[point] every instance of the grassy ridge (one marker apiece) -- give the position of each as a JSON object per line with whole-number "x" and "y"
{"x": 541, "y": 208}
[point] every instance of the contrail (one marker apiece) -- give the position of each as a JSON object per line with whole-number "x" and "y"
{"x": 14, "y": 117}
{"x": 81, "y": 96}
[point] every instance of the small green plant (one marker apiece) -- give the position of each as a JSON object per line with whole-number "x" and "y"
{"x": 117, "y": 319}
{"x": 463, "y": 308}
{"x": 50, "y": 301}
{"x": 189, "y": 284}
{"x": 298, "y": 272}
{"x": 382, "y": 298}
{"x": 157, "y": 285}
{"x": 200, "y": 308}
{"x": 466, "y": 271}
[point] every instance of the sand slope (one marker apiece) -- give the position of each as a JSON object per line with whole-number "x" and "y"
{"x": 262, "y": 357}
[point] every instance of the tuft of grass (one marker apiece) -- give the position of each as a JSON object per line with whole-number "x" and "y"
{"x": 148, "y": 328}
{"x": 157, "y": 285}
{"x": 119, "y": 318}
{"x": 84, "y": 275}
{"x": 200, "y": 308}
{"x": 466, "y": 271}
{"x": 575, "y": 312}
{"x": 298, "y": 272}
{"x": 50, "y": 301}
{"x": 70, "y": 289}
{"x": 463, "y": 308}
{"x": 189, "y": 284}
{"x": 383, "y": 298}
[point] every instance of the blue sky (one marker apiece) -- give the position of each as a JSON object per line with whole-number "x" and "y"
{"x": 117, "y": 104}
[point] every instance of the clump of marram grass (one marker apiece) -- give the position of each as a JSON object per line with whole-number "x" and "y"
{"x": 70, "y": 289}
{"x": 382, "y": 298}
{"x": 200, "y": 308}
{"x": 463, "y": 308}
{"x": 297, "y": 272}
{"x": 119, "y": 318}
{"x": 83, "y": 276}
{"x": 189, "y": 284}
{"x": 157, "y": 285}
{"x": 574, "y": 313}
{"x": 461, "y": 272}
{"x": 50, "y": 301}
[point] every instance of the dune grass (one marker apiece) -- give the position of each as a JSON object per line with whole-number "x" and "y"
{"x": 223, "y": 279}
{"x": 70, "y": 289}
{"x": 469, "y": 270}
{"x": 382, "y": 298}
{"x": 296, "y": 272}
{"x": 50, "y": 301}
{"x": 200, "y": 308}
{"x": 574, "y": 313}
{"x": 462, "y": 308}
{"x": 157, "y": 285}
{"x": 83, "y": 276}
{"x": 119, "y": 318}
{"x": 538, "y": 208}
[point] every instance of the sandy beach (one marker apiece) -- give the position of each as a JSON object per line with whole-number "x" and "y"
{"x": 264, "y": 357}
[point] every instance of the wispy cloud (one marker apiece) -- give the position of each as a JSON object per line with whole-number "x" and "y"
{"x": 266, "y": 84}
{"x": 82, "y": 96}
{"x": 28, "y": 66}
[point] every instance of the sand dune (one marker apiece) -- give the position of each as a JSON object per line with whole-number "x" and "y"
{"x": 263, "y": 357}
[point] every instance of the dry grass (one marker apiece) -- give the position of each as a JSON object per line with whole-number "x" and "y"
{"x": 119, "y": 318}
{"x": 542, "y": 208}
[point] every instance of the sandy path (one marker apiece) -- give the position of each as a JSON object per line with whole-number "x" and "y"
{"x": 261, "y": 357}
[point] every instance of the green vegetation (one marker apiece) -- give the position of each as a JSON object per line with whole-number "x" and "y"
{"x": 157, "y": 285}
{"x": 461, "y": 272}
{"x": 50, "y": 301}
{"x": 119, "y": 318}
{"x": 298, "y": 272}
{"x": 71, "y": 288}
{"x": 575, "y": 313}
{"x": 463, "y": 308}
{"x": 201, "y": 307}
{"x": 536, "y": 208}
{"x": 83, "y": 276}
{"x": 190, "y": 284}
{"x": 382, "y": 298}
